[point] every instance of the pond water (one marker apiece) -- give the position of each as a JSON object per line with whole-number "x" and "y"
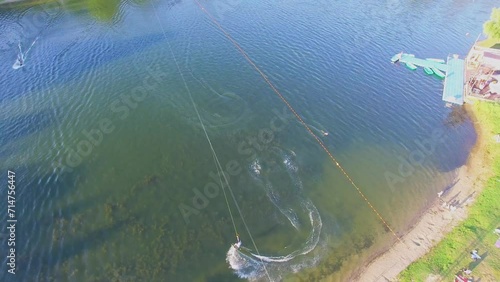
{"x": 115, "y": 178}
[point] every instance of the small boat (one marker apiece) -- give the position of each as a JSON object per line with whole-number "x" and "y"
{"x": 438, "y": 73}
{"x": 428, "y": 70}
{"x": 411, "y": 66}
{"x": 436, "y": 60}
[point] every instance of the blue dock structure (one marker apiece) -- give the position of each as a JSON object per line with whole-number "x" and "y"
{"x": 451, "y": 70}
{"x": 454, "y": 81}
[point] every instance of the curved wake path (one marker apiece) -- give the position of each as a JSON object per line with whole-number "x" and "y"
{"x": 251, "y": 266}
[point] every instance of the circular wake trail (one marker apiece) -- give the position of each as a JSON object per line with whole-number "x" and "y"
{"x": 249, "y": 265}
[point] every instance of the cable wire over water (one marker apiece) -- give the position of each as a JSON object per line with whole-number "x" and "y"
{"x": 298, "y": 117}
{"x": 219, "y": 166}
{"x": 21, "y": 57}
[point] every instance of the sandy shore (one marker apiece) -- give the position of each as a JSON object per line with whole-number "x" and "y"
{"x": 447, "y": 211}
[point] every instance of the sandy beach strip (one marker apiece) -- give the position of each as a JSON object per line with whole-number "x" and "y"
{"x": 448, "y": 210}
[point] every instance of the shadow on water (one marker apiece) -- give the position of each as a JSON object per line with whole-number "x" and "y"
{"x": 458, "y": 116}
{"x": 44, "y": 245}
{"x": 68, "y": 211}
{"x": 37, "y": 190}
{"x": 16, "y": 128}
{"x": 67, "y": 224}
{"x": 58, "y": 232}
{"x": 457, "y": 124}
{"x": 51, "y": 231}
{"x": 44, "y": 186}
{"x": 79, "y": 245}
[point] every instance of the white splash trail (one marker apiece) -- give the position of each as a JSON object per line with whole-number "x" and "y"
{"x": 250, "y": 266}
{"x": 21, "y": 57}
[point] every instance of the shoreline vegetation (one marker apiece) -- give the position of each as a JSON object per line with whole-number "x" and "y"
{"x": 103, "y": 11}
{"x": 451, "y": 254}
{"x": 463, "y": 218}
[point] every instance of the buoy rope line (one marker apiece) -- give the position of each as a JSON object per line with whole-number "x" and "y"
{"x": 299, "y": 118}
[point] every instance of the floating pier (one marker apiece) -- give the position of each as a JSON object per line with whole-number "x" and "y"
{"x": 453, "y": 91}
{"x": 454, "y": 67}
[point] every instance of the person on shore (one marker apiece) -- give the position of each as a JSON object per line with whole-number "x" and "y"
{"x": 497, "y": 231}
{"x": 466, "y": 271}
{"x": 474, "y": 255}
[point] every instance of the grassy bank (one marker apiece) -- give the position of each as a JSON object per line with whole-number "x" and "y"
{"x": 490, "y": 43}
{"x": 476, "y": 232}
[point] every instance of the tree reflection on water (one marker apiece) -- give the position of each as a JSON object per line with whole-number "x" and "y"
{"x": 101, "y": 10}
{"x": 457, "y": 117}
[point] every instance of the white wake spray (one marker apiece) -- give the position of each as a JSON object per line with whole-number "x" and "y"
{"x": 249, "y": 265}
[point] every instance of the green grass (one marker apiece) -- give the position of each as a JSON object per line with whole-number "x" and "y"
{"x": 476, "y": 232}
{"x": 490, "y": 43}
